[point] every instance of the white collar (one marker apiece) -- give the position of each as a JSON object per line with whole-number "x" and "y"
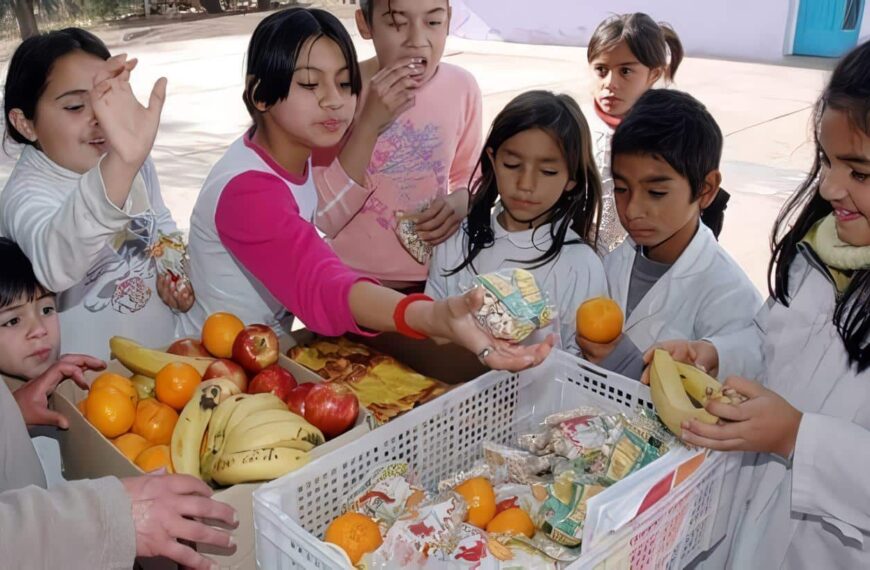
{"x": 538, "y": 238}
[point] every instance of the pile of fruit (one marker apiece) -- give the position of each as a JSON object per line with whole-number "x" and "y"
{"x": 242, "y": 418}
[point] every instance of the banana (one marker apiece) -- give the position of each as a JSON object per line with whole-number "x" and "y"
{"x": 188, "y": 434}
{"x": 227, "y": 387}
{"x": 669, "y": 395}
{"x": 148, "y": 362}
{"x": 257, "y": 465}
{"x": 228, "y": 414}
{"x": 284, "y": 433}
{"x": 699, "y": 385}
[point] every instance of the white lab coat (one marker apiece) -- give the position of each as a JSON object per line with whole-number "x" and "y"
{"x": 704, "y": 295}
{"x": 816, "y": 513}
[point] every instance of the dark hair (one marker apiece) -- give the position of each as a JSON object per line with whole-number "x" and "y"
{"x": 31, "y": 65}
{"x": 561, "y": 118}
{"x": 847, "y": 91}
{"x": 277, "y": 44}
{"x": 368, "y": 9}
{"x": 675, "y": 127}
{"x": 650, "y": 42}
{"x": 17, "y": 279}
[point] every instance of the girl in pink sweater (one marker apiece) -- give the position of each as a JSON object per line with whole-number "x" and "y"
{"x": 253, "y": 248}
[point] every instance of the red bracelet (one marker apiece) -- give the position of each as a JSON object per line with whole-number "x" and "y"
{"x": 399, "y": 316}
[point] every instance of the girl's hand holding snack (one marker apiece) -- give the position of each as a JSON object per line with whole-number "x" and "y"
{"x": 177, "y": 294}
{"x": 765, "y": 422}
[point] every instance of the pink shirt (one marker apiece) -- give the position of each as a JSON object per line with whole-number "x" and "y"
{"x": 254, "y": 251}
{"x": 429, "y": 151}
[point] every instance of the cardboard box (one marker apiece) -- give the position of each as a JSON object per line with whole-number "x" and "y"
{"x": 87, "y": 455}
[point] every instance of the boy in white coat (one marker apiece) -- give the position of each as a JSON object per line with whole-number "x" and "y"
{"x": 670, "y": 277}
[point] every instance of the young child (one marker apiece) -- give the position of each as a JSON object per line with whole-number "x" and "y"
{"x": 537, "y": 170}
{"x": 83, "y": 200}
{"x": 424, "y": 158}
{"x": 802, "y": 495}
{"x": 671, "y": 277}
{"x": 627, "y": 55}
{"x": 254, "y": 251}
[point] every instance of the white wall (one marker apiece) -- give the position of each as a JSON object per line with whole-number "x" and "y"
{"x": 864, "y": 35}
{"x": 740, "y": 29}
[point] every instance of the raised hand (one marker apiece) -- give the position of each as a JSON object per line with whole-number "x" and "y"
{"x": 32, "y": 397}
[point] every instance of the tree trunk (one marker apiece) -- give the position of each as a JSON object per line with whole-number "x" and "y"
{"x": 26, "y": 20}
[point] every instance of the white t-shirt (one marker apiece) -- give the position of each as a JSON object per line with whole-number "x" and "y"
{"x": 93, "y": 254}
{"x": 574, "y": 275}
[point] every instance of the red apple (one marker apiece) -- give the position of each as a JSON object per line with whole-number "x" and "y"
{"x": 255, "y": 348}
{"x": 332, "y": 411}
{"x": 273, "y": 379}
{"x": 296, "y": 398}
{"x": 228, "y": 369}
{"x": 188, "y": 347}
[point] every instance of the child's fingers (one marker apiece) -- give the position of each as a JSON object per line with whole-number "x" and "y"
{"x": 158, "y": 97}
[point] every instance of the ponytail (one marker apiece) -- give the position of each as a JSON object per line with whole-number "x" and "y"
{"x": 713, "y": 215}
{"x": 675, "y": 47}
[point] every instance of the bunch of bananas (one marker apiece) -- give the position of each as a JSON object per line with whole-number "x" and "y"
{"x": 226, "y": 437}
{"x": 680, "y": 391}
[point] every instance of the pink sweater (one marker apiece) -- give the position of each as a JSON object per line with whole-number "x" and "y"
{"x": 429, "y": 151}
{"x": 254, "y": 251}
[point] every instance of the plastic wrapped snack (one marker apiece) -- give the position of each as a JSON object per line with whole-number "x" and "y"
{"x": 563, "y": 513}
{"x": 386, "y": 493}
{"x": 406, "y": 231}
{"x": 514, "y": 465}
{"x": 639, "y": 441}
{"x": 513, "y": 305}
{"x": 170, "y": 254}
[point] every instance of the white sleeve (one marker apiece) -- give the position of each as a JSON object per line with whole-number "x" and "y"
{"x": 741, "y": 351}
{"x": 829, "y": 471}
{"x": 165, "y": 223}
{"x": 436, "y": 284}
{"x": 62, "y": 239}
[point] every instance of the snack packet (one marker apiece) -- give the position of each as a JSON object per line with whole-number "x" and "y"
{"x": 513, "y": 305}
{"x": 514, "y": 465}
{"x": 639, "y": 441}
{"x": 406, "y": 231}
{"x": 386, "y": 493}
{"x": 562, "y": 514}
{"x": 170, "y": 255}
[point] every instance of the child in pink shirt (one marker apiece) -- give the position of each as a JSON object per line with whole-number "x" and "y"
{"x": 425, "y": 157}
{"x": 253, "y": 248}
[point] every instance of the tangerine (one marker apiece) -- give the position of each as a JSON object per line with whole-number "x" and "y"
{"x": 131, "y": 445}
{"x": 354, "y": 533}
{"x": 110, "y": 411}
{"x": 512, "y": 521}
{"x": 154, "y": 458}
{"x": 600, "y": 320}
{"x": 82, "y": 406}
{"x": 175, "y": 384}
{"x": 155, "y": 421}
{"x": 118, "y": 382}
{"x": 480, "y": 498}
{"x": 219, "y": 333}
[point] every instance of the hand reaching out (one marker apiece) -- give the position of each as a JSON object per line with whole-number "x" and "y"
{"x": 32, "y": 397}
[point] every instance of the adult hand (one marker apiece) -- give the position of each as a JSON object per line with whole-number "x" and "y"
{"x": 169, "y": 508}
{"x": 596, "y": 352}
{"x": 32, "y": 397}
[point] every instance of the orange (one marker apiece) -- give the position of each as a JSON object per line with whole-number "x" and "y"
{"x": 219, "y": 333}
{"x": 110, "y": 411}
{"x": 354, "y": 533}
{"x": 600, "y": 320}
{"x": 131, "y": 445}
{"x": 512, "y": 521}
{"x": 82, "y": 406}
{"x": 480, "y": 498}
{"x": 154, "y": 421}
{"x": 175, "y": 384}
{"x": 118, "y": 382}
{"x": 154, "y": 458}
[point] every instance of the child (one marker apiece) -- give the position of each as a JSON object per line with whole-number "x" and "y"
{"x": 538, "y": 164}
{"x": 671, "y": 277}
{"x": 802, "y": 495}
{"x": 254, "y": 251}
{"x": 425, "y": 157}
{"x": 80, "y": 202}
{"x": 627, "y": 55}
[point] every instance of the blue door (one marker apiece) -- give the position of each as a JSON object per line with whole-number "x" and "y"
{"x": 827, "y": 27}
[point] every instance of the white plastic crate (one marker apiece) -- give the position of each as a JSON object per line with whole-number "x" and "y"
{"x": 446, "y": 435}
